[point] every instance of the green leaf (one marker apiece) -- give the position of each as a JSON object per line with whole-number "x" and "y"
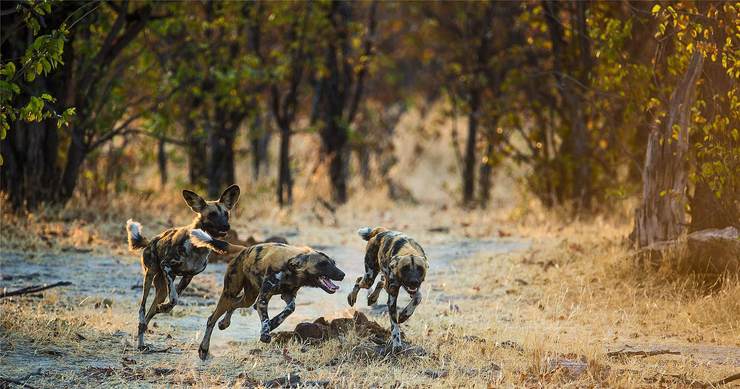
{"x": 8, "y": 70}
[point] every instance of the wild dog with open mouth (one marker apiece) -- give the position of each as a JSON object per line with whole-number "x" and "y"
{"x": 262, "y": 271}
{"x": 174, "y": 252}
{"x": 403, "y": 263}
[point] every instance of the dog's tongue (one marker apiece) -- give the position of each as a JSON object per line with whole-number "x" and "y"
{"x": 328, "y": 284}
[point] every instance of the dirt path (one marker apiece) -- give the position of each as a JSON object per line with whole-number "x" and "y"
{"x": 107, "y": 288}
{"x": 111, "y": 280}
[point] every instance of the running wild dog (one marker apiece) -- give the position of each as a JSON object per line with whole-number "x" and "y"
{"x": 262, "y": 271}
{"x": 175, "y": 252}
{"x": 403, "y": 263}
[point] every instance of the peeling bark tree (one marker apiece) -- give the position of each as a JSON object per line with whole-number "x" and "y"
{"x": 662, "y": 214}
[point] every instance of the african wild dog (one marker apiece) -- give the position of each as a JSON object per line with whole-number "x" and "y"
{"x": 403, "y": 263}
{"x": 262, "y": 271}
{"x": 174, "y": 252}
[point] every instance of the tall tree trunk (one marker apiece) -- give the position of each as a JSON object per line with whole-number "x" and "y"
{"x": 469, "y": 163}
{"x": 485, "y": 172}
{"x": 334, "y": 138}
{"x": 76, "y": 153}
{"x": 333, "y": 133}
{"x": 162, "y": 162}
{"x": 221, "y": 161}
{"x": 662, "y": 213}
{"x": 581, "y": 142}
{"x": 260, "y": 140}
{"x": 363, "y": 158}
{"x": 285, "y": 181}
{"x": 197, "y": 155}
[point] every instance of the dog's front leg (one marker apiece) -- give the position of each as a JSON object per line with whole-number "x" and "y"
{"x": 269, "y": 286}
{"x": 409, "y": 310}
{"x": 184, "y": 282}
{"x": 289, "y": 299}
{"x": 393, "y": 314}
{"x": 372, "y": 298}
{"x": 170, "y": 278}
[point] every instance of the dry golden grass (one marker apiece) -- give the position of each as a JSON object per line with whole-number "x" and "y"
{"x": 545, "y": 316}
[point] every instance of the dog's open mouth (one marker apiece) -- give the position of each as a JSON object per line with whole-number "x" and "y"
{"x": 410, "y": 289}
{"x": 328, "y": 286}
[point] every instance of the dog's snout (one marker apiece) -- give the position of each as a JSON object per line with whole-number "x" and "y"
{"x": 339, "y": 275}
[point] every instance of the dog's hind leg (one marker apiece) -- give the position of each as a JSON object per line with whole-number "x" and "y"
{"x": 148, "y": 279}
{"x": 372, "y": 298}
{"x": 246, "y": 300}
{"x": 184, "y": 282}
{"x": 172, "y": 291}
{"x": 371, "y": 271}
{"x": 160, "y": 286}
{"x": 233, "y": 283}
{"x": 225, "y": 303}
{"x": 409, "y": 310}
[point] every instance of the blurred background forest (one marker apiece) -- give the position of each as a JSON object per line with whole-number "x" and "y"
{"x": 304, "y": 101}
{"x": 537, "y": 149}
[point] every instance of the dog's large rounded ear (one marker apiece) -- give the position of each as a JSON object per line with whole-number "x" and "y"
{"x": 195, "y": 202}
{"x": 230, "y": 196}
{"x": 297, "y": 262}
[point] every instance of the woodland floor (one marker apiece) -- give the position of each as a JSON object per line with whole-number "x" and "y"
{"x": 505, "y": 304}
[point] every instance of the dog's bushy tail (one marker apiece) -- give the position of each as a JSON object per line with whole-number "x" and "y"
{"x": 368, "y": 233}
{"x": 200, "y": 238}
{"x": 136, "y": 241}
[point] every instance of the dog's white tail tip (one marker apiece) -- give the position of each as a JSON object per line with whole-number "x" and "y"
{"x": 134, "y": 228}
{"x": 364, "y": 232}
{"x": 201, "y": 235}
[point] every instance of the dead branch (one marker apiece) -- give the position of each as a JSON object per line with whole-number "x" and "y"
{"x": 157, "y": 350}
{"x": 727, "y": 380}
{"x": 33, "y": 289}
{"x": 626, "y": 353}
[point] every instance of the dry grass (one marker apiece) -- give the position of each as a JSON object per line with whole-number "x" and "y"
{"x": 545, "y": 316}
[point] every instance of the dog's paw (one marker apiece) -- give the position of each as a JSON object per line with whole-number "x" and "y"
{"x": 351, "y": 299}
{"x": 265, "y": 337}
{"x": 224, "y": 324}
{"x": 202, "y": 353}
{"x": 144, "y": 347}
{"x": 165, "y": 307}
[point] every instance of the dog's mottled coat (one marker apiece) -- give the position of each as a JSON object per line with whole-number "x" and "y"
{"x": 262, "y": 271}
{"x": 175, "y": 253}
{"x": 402, "y": 262}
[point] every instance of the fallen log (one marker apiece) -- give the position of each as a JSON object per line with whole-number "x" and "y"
{"x": 33, "y": 289}
{"x": 639, "y": 353}
{"x": 716, "y": 250}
